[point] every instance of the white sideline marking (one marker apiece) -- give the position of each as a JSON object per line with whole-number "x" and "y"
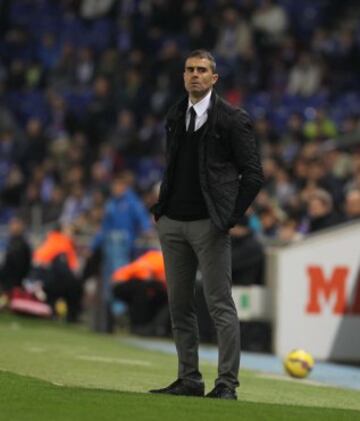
{"x": 113, "y": 360}
{"x": 35, "y": 349}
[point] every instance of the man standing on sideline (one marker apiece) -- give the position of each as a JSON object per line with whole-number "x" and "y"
{"x": 213, "y": 174}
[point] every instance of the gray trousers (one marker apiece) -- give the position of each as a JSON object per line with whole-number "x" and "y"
{"x": 186, "y": 245}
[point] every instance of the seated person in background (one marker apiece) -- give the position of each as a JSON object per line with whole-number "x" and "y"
{"x": 17, "y": 260}
{"x": 269, "y": 221}
{"x": 352, "y": 204}
{"x": 55, "y": 264}
{"x": 248, "y": 256}
{"x": 320, "y": 211}
{"x": 288, "y": 230}
{"x": 141, "y": 285}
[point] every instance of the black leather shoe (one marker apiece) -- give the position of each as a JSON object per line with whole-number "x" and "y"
{"x": 221, "y": 391}
{"x": 182, "y": 388}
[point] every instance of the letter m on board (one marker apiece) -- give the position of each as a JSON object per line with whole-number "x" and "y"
{"x": 322, "y": 288}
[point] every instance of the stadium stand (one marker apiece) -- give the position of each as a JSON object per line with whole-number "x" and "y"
{"x": 84, "y": 88}
{"x": 92, "y": 79}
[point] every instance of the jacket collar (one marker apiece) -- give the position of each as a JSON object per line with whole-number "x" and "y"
{"x": 177, "y": 113}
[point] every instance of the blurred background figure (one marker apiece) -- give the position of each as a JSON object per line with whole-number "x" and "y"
{"x": 248, "y": 256}
{"x": 17, "y": 261}
{"x": 141, "y": 285}
{"x": 320, "y": 211}
{"x": 125, "y": 215}
{"x": 352, "y": 205}
{"x": 55, "y": 266}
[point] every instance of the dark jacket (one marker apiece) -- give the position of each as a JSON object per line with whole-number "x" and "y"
{"x": 229, "y": 165}
{"x": 17, "y": 262}
{"x": 325, "y": 221}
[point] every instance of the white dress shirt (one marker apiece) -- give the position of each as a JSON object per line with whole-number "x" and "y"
{"x": 201, "y": 110}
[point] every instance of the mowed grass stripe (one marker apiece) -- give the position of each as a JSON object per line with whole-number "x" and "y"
{"x": 28, "y": 399}
{"x": 54, "y": 353}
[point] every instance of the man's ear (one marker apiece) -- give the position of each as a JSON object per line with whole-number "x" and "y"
{"x": 215, "y": 78}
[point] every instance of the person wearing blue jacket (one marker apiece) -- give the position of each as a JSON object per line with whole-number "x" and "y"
{"x": 125, "y": 218}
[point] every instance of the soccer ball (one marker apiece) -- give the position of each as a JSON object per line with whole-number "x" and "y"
{"x": 299, "y": 363}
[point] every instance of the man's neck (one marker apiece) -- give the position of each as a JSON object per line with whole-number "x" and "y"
{"x": 195, "y": 99}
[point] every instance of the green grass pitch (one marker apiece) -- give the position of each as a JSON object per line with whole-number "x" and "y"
{"x": 51, "y": 372}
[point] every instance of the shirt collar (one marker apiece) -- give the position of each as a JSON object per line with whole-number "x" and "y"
{"x": 202, "y": 106}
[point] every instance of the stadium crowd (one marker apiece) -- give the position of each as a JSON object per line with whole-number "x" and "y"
{"x": 85, "y": 85}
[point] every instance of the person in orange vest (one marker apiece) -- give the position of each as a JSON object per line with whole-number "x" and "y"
{"x": 55, "y": 264}
{"x": 141, "y": 284}
{"x": 57, "y": 242}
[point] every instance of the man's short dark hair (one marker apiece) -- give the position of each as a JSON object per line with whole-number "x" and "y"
{"x": 200, "y": 53}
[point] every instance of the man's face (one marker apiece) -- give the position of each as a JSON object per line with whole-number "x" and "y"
{"x": 352, "y": 204}
{"x": 199, "y": 77}
{"x": 118, "y": 188}
{"x": 16, "y": 227}
{"x": 317, "y": 208}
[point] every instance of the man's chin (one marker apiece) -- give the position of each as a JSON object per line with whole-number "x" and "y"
{"x": 199, "y": 92}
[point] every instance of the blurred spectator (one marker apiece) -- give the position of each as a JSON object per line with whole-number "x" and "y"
{"x": 266, "y": 135}
{"x": 248, "y": 256}
{"x": 322, "y": 42}
{"x": 124, "y": 214}
{"x": 84, "y": 67}
{"x": 16, "y": 75}
{"x": 201, "y": 33}
{"x": 91, "y": 9}
{"x": 17, "y": 260}
{"x": 100, "y": 177}
{"x": 352, "y": 204}
{"x": 76, "y": 203}
{"x": 35, "y": 75}
{"x": 321, "y": 127}
{"x": 52, "y": 209}
{"x": 354, "y": 182}
{"x": 149, "y": 140}
{"x": 109, "y": 65}
{"x": 48, "y": 50}
{"x": 124, "y": 135}
{"x": 270, "y": 21}
{"x": 235, "y": 37}
{"x": 100, "y": 112}
{"x": 338, "y": 163}
{"x": 141, "y": 285}
{"x": 55, "y": 263}
{"x": 36, "y": 144}
{"x": 305, "y": 77}
{"x": 13, "y": 188}
{"x": 269, "y": 221}
{"x": 62, "y": 75}
{"x": 9, "y": 152}
{"x": 320, "y": 211}
{"x": 318, "y": 176}
{"x": 345, "y": 59}
{"x": 288, "y": 231}
{"x": 60, "y": 123}
{"x": 350, "y": 124}
{"x": 284, "y": 188}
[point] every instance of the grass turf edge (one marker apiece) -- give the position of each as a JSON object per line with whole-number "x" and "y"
{"x": 25, "y": 398}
